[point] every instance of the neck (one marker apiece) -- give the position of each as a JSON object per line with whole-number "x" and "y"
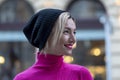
{"x": 48, "y": 56}
{"x": 50, "y": 53}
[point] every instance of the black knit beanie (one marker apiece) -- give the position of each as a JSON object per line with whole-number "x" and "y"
{"x": 38, "y": 29}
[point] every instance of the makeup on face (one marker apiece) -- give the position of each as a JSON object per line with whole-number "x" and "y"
{"x": 68, "y": 38}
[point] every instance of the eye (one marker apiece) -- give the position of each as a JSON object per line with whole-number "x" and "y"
{"x": 65, "y": 31}
{"x": 74, "y": 32}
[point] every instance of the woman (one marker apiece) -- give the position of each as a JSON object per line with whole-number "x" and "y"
{"x": 53, "y": 32}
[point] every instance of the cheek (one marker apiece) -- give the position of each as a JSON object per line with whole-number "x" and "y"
{"x": 64, "y": 39}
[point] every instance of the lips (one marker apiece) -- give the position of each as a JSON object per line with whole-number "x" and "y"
{"x": 69, "y": 46}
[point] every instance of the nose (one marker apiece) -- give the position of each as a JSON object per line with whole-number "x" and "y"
{"x": 72, "y": 38}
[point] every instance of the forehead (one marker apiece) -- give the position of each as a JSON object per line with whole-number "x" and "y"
{"x": 70, "y": 24}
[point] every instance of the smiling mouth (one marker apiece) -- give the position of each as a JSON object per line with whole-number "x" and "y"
{"x": 69, "y": 46}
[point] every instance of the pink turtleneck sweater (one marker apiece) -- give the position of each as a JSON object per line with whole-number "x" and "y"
{"x": 52, "y": 67}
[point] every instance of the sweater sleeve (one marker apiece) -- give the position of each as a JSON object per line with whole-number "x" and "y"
{"x": 85, "y": 74}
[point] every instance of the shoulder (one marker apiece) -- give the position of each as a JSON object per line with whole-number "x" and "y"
{"x": 19, "y": 76}
{"x": 82, "y": 72}
{"x": 23, "y": 75}
{"x": 75, "y": 67}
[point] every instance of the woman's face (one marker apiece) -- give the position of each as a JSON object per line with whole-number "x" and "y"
{"x": 65, "y": 44}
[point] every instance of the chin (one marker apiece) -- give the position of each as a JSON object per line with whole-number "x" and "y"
{"x": 68, "y": 53}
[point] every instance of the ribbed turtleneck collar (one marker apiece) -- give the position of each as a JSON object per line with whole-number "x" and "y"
{"x": 48, "y": 60}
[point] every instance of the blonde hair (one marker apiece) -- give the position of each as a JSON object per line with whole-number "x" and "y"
{"x": 57, "y": 31}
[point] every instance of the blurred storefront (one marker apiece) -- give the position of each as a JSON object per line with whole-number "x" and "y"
{"x": 97, "y": 39}
{"x": 15, "y": 52}
{"x": 90, "y": 50}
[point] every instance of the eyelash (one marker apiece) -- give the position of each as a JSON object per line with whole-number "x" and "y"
{"x": 66, "y": 31}
{"x": 75, "y": 32}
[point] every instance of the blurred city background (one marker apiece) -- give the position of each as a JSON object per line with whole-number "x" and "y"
{"x": 98, "y": 43}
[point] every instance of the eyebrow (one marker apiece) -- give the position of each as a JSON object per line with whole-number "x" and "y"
{"x": 68, "y": 28}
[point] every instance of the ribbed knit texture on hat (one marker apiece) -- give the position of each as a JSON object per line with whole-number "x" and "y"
{"x": 38, "y": 29}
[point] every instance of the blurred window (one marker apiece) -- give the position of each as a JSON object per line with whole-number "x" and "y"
{"x": 15, "y": 11}
{"x": 87, "y": 9}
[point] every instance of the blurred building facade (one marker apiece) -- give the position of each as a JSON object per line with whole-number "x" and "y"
{"x": 97, "y": 47}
